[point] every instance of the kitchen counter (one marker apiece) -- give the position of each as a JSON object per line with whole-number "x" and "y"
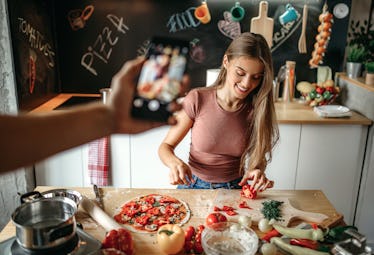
{"x": 199, "y": 202}
{"x": 287, "y": 113}
{"x": 298, "y": 113}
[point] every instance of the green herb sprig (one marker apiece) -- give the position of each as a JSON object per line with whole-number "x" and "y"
{"x": 271, "y": 210}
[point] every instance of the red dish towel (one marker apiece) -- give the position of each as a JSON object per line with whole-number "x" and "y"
{"x": 98, "y": 161}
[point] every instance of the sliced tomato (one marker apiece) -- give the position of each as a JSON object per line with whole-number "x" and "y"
{"x": 154, "y": 211}
{"x": 142, "y": 220}
{"x": 169, "y": 210}
{"x": 146, "y": 207}
{"x": 217, "y": 209}
{"x": 244, "y": 204}
{"x": 227, "y": 208}
{"x": 150, "y": 200}
{"x": 231, "y": 213}
{"x": 166, "y": 199}
{"x": 161, "y": 221}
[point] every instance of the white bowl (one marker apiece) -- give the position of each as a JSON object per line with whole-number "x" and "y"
{"x": 229, "y": 238}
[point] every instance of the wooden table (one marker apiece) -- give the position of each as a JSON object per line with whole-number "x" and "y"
{"x": 198, "y": 200}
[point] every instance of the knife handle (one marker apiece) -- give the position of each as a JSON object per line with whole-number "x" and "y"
{"x": 98, "y": 196}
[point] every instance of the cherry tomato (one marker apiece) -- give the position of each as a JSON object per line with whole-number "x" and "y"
{"x": 198, "y": 248}
{"x": 200, "y": 228}
{"x": 188, "y": 246}
{"x": 189, "y": 233}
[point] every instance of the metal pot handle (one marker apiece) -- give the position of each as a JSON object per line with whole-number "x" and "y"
{"x": 63, "y": 230}
{"x": 29, "y": 196}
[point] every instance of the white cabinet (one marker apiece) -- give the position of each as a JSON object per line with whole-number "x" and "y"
{"x": 67, "y": 168}
{"x": 147, "y": 170}
{"x": 120, "y": 161}
{"x": 70, "y": 168}
{"x": 365, "y": 207}
{"x": 282, "y": 169}
{"x": 330, "y": 159}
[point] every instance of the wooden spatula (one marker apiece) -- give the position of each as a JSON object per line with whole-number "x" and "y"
{"x": 262, "y": 24}
{"x": 302, "y": 39}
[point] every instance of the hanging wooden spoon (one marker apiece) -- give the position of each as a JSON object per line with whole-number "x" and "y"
{"x": 302, "y": 39}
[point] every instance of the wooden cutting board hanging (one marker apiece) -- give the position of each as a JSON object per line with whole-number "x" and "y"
{"x": 262, "y": 24}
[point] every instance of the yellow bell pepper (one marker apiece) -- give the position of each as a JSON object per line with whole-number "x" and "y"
{"x": 170, "y": 238}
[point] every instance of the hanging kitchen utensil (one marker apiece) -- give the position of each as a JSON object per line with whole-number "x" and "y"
{"x": 302, "y": 39}
{"x": 262, "y": 24}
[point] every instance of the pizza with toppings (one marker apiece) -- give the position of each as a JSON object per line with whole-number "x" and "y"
{"x": 147, "y": 213}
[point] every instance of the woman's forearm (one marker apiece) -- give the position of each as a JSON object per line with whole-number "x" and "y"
{"x": 167, "y": 155}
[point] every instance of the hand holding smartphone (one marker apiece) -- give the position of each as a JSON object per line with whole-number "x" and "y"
{"x": 160, "y": 79}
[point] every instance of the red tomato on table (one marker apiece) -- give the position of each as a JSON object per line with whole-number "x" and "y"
{"x": 214, "y": 218}
{"x": 120, "y": 239}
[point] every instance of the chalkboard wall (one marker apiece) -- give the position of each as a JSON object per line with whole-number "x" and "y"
{"x": 94, "y": 38}
{"x": 34, "y": 51}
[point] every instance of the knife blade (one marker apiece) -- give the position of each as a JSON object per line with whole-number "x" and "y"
{"x": 98, "y": 196}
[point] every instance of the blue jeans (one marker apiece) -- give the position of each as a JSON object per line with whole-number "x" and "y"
{"x": 200, "y": 184}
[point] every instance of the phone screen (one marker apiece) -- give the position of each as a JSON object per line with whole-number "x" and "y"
{"x": 160, "y": 79}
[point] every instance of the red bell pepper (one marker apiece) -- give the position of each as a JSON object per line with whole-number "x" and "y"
{"x": 270, "y": 234}
{"x": 305, "y": 243}
{"x": 248, "y": 192}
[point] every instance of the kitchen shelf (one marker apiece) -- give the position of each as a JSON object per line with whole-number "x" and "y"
{"x": 360, "y": 81}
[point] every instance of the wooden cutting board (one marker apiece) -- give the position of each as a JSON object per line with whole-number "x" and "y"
{"x": 289, "y": 213}
{"x": 262, "y": 24}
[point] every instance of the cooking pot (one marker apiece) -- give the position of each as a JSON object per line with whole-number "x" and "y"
{"x": 72, "y": 194}
{"x": 45, "y": 222}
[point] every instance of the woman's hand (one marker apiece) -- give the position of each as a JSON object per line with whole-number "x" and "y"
{"x": 180, "y": 173}
{"x": 258, "y": 178}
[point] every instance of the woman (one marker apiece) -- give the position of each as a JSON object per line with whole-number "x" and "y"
{"x": 233, "y": 124}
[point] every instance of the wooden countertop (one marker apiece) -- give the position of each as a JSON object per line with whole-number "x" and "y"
{"x": 287, "y": 113}
{"x": 298, "y": 113}
{"x": 199, "y": 202}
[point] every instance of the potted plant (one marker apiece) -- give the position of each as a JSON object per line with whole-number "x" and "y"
{"x": 355, "y": 57}
{"x": 369, "y": 78}
{"x": 360, "y": 47}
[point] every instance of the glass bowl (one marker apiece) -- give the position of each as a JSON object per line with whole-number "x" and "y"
{"x": 229, "y": 238}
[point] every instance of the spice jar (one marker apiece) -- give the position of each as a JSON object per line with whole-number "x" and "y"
{"x": 289, "y": 82}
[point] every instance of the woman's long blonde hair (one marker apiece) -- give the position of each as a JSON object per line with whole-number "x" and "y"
{"x": 262, "y": 132}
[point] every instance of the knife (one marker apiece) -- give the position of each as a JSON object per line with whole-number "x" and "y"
{"x": 98, "y": 196}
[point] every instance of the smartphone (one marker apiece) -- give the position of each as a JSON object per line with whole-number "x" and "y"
{"x": 160, "y": 80}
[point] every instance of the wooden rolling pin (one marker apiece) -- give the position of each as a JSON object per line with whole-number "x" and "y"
{"x": 101, "y": 217}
